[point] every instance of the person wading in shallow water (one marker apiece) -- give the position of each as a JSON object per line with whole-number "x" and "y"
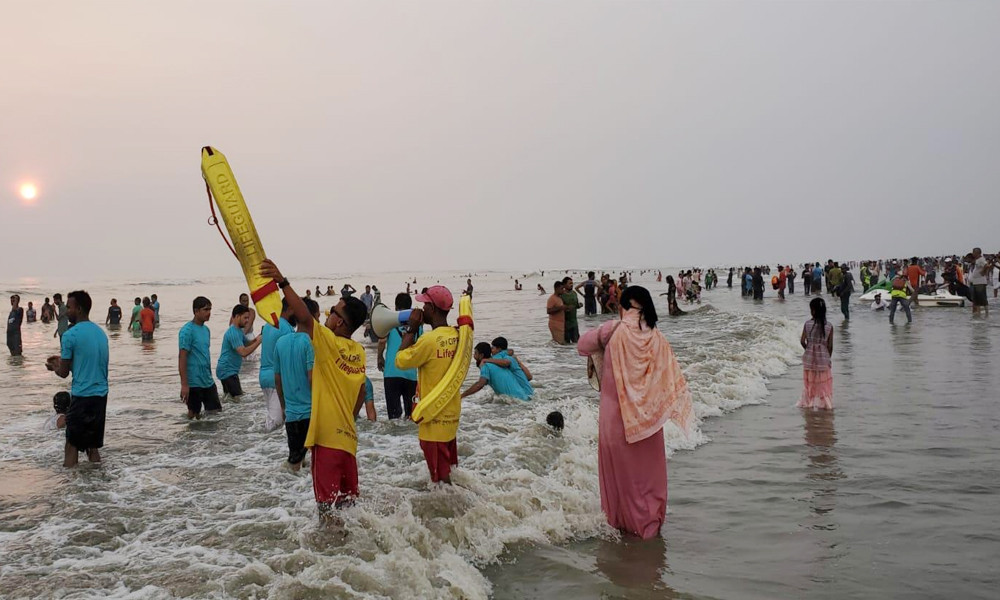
{"x": 85, "y": 355}
{"x": 642, "y": 387}
{"x": 556, "y": 310}
{"x": 817, "y": 372}
{"x": 338, "y": 384}
{"x": 431, "y": 356}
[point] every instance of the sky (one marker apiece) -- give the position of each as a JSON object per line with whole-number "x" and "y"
{"x": 496, "y": 135}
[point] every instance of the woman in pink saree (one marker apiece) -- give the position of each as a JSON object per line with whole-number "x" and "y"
{"x": 642, "y": 387}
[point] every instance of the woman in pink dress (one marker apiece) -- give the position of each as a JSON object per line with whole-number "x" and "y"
{"x": 817, "y": 371}
{"x": 642, "y": 386}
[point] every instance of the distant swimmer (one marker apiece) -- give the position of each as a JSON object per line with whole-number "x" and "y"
{"x": 154, "y": 303}
{"x": 589, "y": 294}
{"x": 84, "y": 354}
{"x": 556, "y": 309}
{"x": 235, "y": 347}
{"x": 147, "y": 320}
{"x": 61, "y": 315}
{"x": 502, "y": 380}
{"x": 517, "y": 286}
{"x": 194, "y": 362}
{"x": 468, "y": 287}
{"x": 337, "y": 385}
{"x": 294, "y": 360}
{"x": 571, "y": 299}
{"x": 30, "y": 316}
{"x": 368, "y": 299}
{"x": 541, "y": 290}
{"x": 48, "y": 312}
{"x": 114, "y": 318}
{"x": 134, "y": 325}
{"x": 14, "y": 321}
{"x": 432, "y": 355}
{"x": 318, "y": 293}
{"x": 274, "y": 415}
{"x": 347, "y": 291}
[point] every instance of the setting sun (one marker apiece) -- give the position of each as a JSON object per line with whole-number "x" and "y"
{"x": 29, "y": 192}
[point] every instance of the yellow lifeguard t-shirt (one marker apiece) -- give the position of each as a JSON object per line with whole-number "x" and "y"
{"x": 431, "y": 356}
{"x": 338, "y": 375}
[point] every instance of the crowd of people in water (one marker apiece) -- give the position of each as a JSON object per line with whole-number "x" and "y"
{"x": 314, "y": 383}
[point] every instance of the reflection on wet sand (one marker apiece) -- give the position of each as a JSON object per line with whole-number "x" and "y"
{"x": 635, "y": 564}
{"x": 824, "y": 470}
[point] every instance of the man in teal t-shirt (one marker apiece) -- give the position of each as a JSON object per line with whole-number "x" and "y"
{"x": 194, "y": 360}
{"x": 502, "y": 380}
{"x": 234, "y": 349}
{"x": 294, "y": 358}
{"x": 400, "y": 384}
{"x": 84, "y": 353}
{"x": 274, "y": 415}
{"x": 505, "y": 359}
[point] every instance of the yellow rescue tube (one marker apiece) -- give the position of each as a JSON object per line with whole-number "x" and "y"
{"x": 432, "y": 403}
{"x": 233, "y": 212}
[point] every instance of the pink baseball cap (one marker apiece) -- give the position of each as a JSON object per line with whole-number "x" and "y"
{"x": 439, "y": 296}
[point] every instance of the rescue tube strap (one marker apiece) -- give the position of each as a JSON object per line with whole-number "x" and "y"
{"x": 466, "y": 320}
{"x": 214, "y": 220}
{"x": 261, "y": 293}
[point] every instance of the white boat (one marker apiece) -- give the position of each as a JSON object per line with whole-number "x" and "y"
{"x": 939, "y": 298}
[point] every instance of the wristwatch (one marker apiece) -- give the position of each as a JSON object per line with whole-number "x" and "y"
{"x": 283, "y": 283}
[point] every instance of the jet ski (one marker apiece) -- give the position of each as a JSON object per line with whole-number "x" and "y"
{"x": 936, "y": 296}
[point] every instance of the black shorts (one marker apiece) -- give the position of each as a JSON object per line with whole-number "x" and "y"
{"x": 979, "y": 295}
{"x": 147, "y": 337}
{"x": 85, "y": 422}
{"x": 231, "y": 385}
{"x": 14, "y": 342}
{"x": 296, "y": 431}
{"x": 572, "y": 334}
{"x": 399, "y": 393}
{"x": 209, "y": 397}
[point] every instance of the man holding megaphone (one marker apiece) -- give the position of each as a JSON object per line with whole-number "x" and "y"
{"x": 432, "y": 355}
{"x": 400, "y": 384}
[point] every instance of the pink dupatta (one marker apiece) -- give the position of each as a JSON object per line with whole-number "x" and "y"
{"x": 651, "y": 386}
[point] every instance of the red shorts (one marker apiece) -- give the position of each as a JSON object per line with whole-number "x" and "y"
{"x": 335, "y": 475}
{"x": 440, "y": 456}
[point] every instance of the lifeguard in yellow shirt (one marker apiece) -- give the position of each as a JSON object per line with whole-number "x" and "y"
{"x": 338, "y": 379}
{"x": 431, "y": 355}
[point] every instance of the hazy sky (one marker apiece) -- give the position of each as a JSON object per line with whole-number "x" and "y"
{"x": 475, "y": 135}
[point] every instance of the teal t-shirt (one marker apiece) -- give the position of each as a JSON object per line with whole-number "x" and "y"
{"x": 270, "y": 336}
{"x": 392, "y": 342}
{"x": 502, "y": 381}
{"x": 294, "y": 357}
{"x": 87, "y": 346}
{"x": 230, "y": 360}
{"x": 515, "y": 367}
{"x": 369, "y": 390}
{"x": 197, "y": 340}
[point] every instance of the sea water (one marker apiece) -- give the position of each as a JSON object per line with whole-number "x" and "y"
{"x": 205, "y": 509}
